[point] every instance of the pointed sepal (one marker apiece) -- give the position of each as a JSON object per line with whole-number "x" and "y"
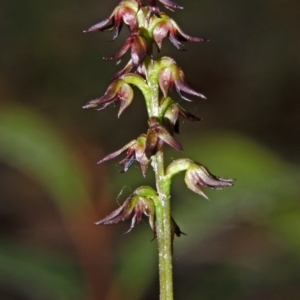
{"x": 124, "y": 13}
{"x": 164, "y": 26}
{"x": 171, "y": 116}
{"x": 157, "y": 135}
{"x": 138, "y": 203}
{"x": 197, "y": 175}
{"x": 171, "y": 75}
{"x": 118, "y": 91}
{"x": 135, "y": 151}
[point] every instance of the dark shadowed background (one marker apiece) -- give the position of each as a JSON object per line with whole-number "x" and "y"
{"x": 243, "y": 244}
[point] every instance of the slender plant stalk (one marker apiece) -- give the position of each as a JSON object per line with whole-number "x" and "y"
{"x": 163, "y": 228}
{"x": 155, "y": 78}
{"x": 162, "y": 208}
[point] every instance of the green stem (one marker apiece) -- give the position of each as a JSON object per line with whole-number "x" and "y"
{"x": 162, "y": 208}
{"x": 163, "y": 229}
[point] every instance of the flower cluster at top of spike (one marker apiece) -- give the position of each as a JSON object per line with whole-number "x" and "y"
{"x": 149, "y": 27}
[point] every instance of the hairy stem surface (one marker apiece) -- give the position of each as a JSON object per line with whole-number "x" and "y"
{"x": 162, "y": 209}
{"x": 163, "y": 229}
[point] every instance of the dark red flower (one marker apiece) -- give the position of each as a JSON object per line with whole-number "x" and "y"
{"x": 137, "y": 204}
{"x": 197, "y": 175}
{"x": 157, "y": 135}
{"x": 125, "y": 12}
{"x": 170, "y": 75}
{"x": 165, "y": 26}
{"x": 118, "y": 91}
{"x": 135, "y": 152}
{"x": 171, "y": 116}
{"x": 138, "y": 46}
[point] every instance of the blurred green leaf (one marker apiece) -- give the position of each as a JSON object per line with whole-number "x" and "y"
{"x": 265, "y": 184}
{"x": 38, "y": 275}
{"x": 287, "y": 225}
{"x": 137, "y": 263}
{"x": 34, "y": 146}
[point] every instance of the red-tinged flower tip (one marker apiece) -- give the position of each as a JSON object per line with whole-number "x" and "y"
{"x": 154, "y": 9}
{"x": 127, "y": 69}
{"x": 133, "y": 208}
{"x": 118, "y": 91}
{"x": 164, "y": 26}
{"x": 169, "y": 75}
{"x": 139, "y": 49}
{"x": 135, "y": 152}
{"x": 197, "y": 175}
{"x": 157, "y": 135}
{"x": 130, "y": 68}
{"x": 171, "y": 5}
{"x": 124, "y": 13}
{"x": 171, "y": 117}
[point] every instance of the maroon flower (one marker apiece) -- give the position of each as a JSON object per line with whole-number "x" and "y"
{"x": 170, "y": 75}
{"x": 165, "y": 26}
{"x": 197, "y": 175}
{"x": 118, "y": 91}
{"x": 171, "y": 117}
{"x": 133, "y": 208}
{"x": 157, "y": 135}
{"x": 138, "y": 46}
{"x": 135, "y": 152}
{"x": 144, "y": 147}
{"x": 125, "y": 12}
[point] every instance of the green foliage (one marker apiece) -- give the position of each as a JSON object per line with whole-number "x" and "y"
{"x": 30, "y": 144}
{"x": 36, "y": 275}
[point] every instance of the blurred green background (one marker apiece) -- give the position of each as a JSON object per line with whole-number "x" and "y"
{"x": 243, "y": 244}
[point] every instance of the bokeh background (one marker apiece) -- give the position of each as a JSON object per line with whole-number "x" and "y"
{"x": 243, "y": 244}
